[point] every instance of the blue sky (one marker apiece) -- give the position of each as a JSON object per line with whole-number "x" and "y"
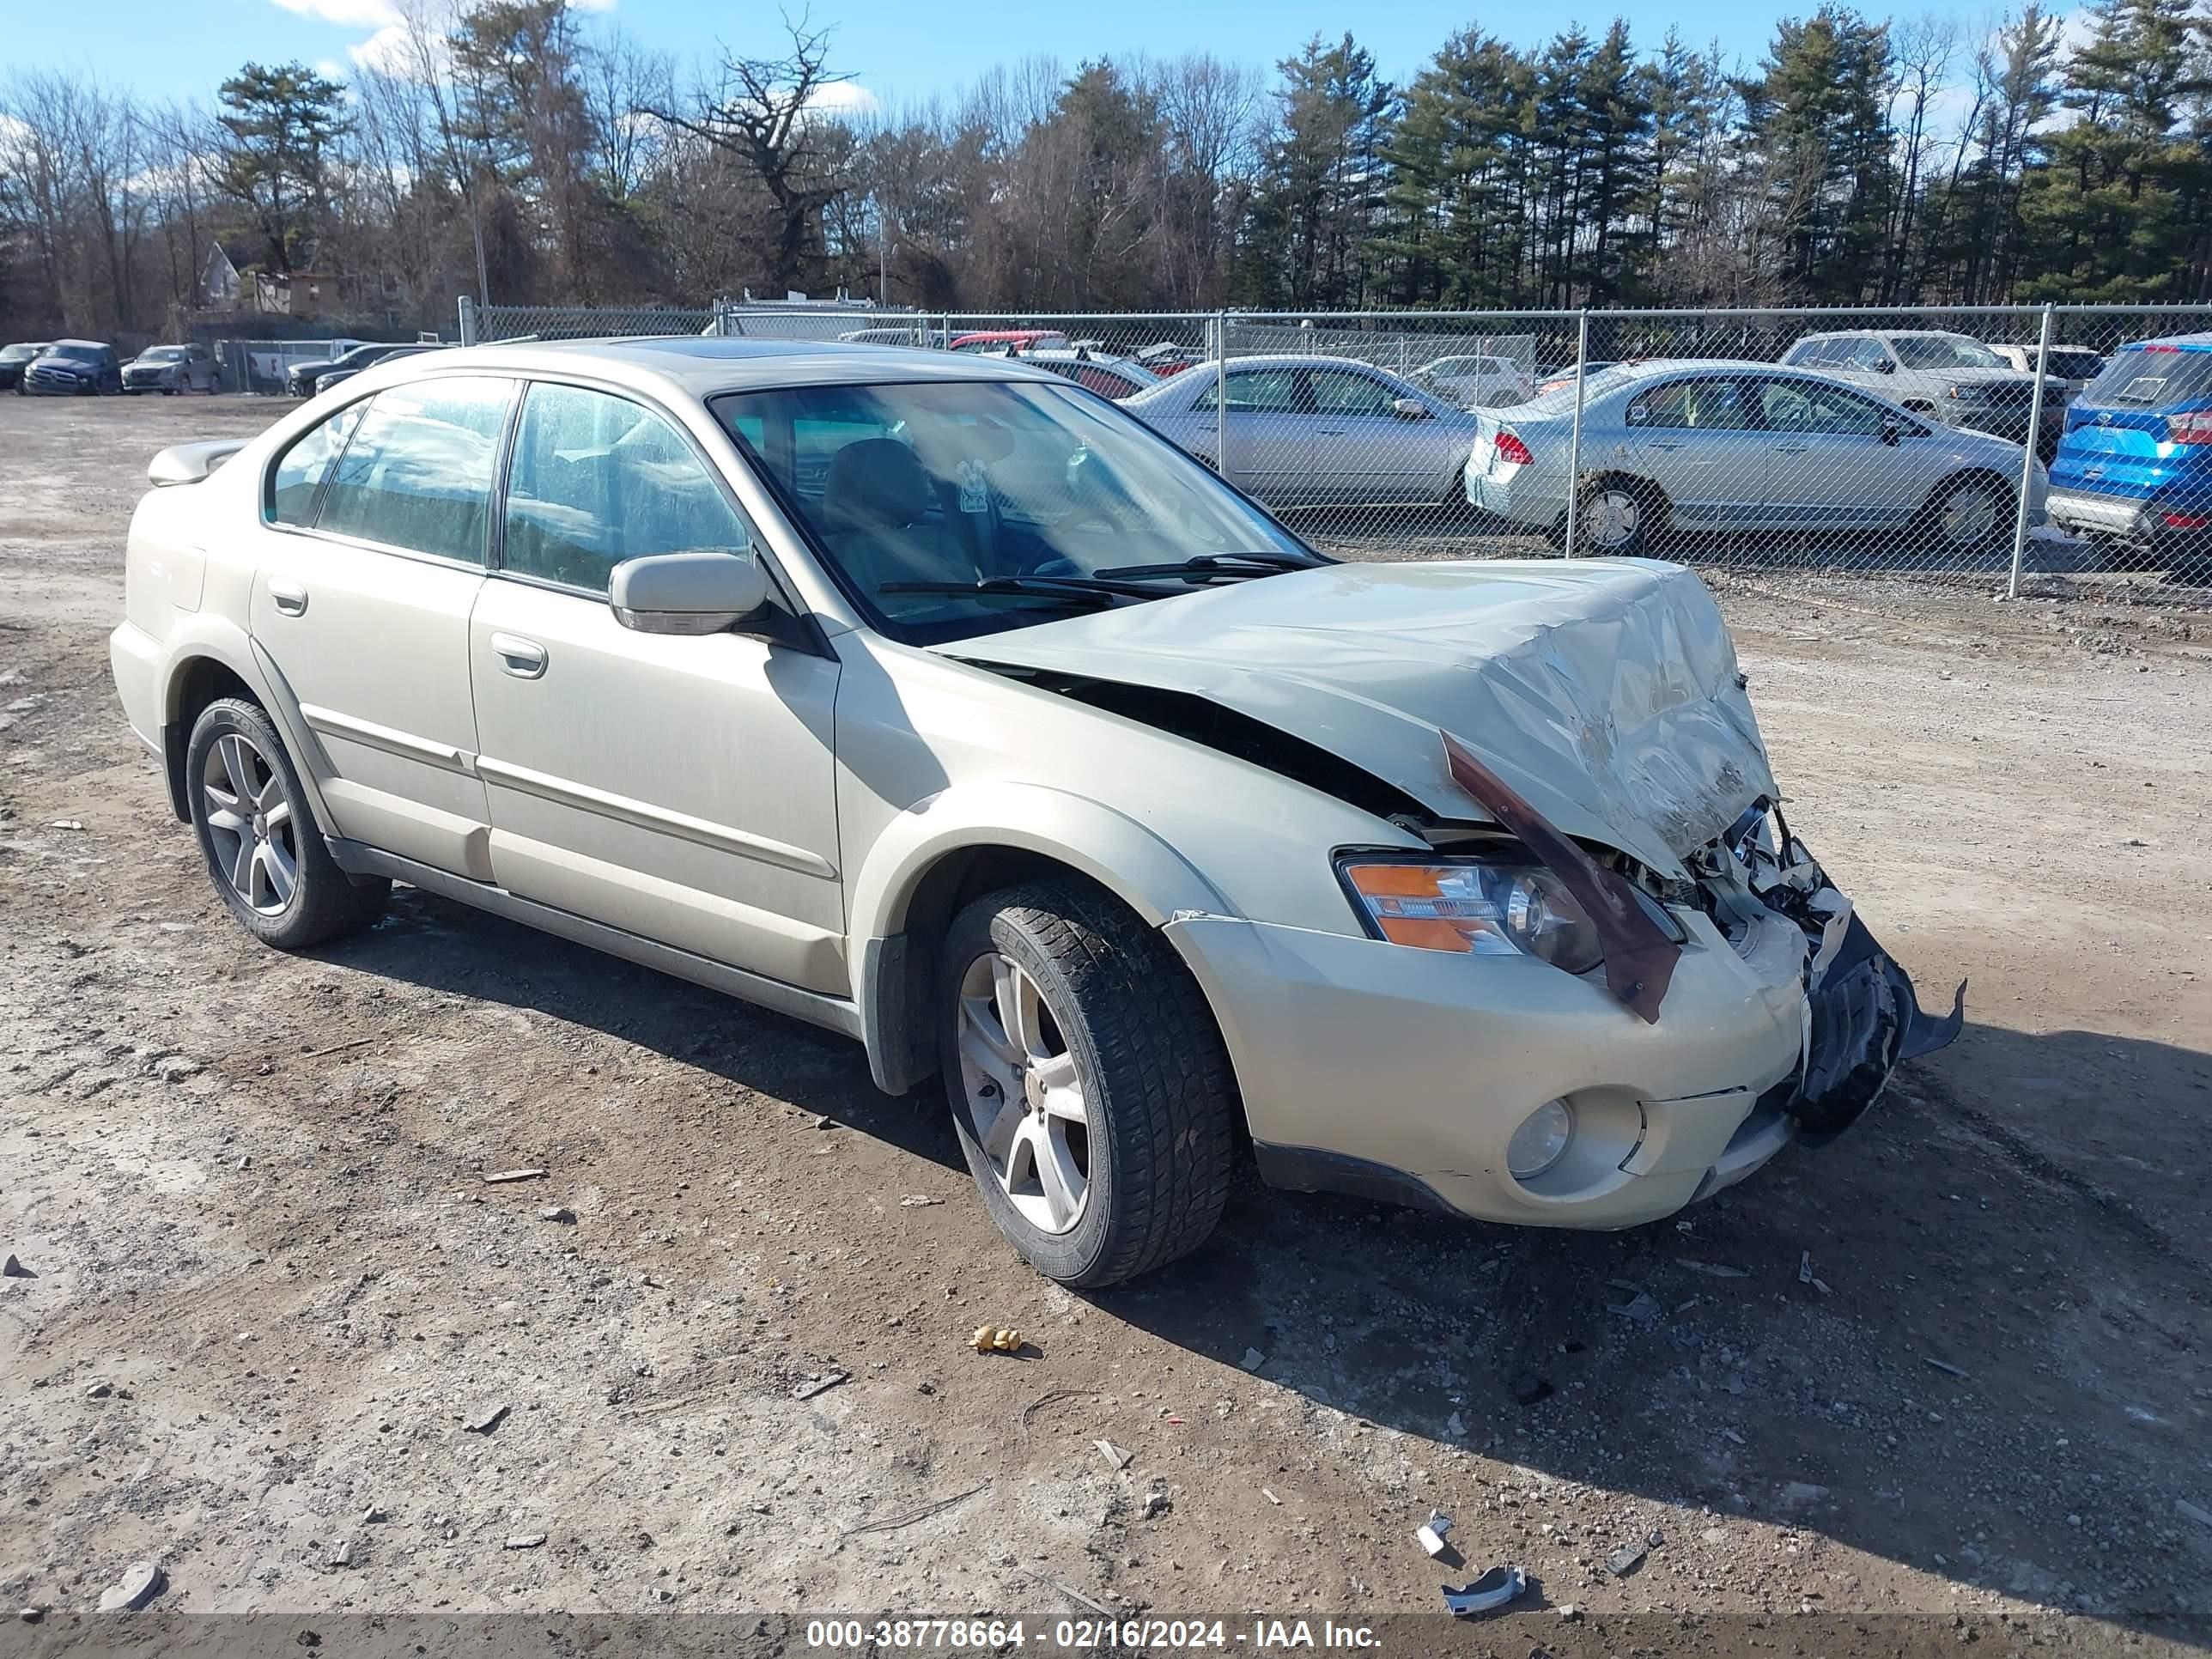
{"x": 895, "y": 48}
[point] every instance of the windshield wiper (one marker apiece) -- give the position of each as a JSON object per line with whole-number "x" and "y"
{"x": 1067, "y": 590}
{"x": 1206, "y": 566}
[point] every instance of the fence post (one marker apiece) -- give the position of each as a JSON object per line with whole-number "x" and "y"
{"x": 1221, "y": 393}
{"x": 1575, "y": 437}
{"x": 2027, "y": 460}
{"x": 468, "y": 308}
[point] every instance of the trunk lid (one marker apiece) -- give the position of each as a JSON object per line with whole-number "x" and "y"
{"x": 1606, "y": 692}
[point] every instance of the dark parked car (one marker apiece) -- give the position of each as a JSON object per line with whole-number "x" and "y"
{"x": 15, "y": 359}
{"x": 337, "y": 372}
{"x": 73, "y": 367}
{"x": 306, "y": 380}
{"x": 171, "y": 369}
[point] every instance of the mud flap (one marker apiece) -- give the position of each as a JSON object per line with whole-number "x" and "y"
{"x": 1865, "y": 1018}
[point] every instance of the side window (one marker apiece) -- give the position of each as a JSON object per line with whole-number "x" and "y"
{"x": 1870, "y": 355}
{"x": 1809, "y": 406}
{"x": 1806, "y": 354}
{"x": 418, "y": 472}
{"x": 1340, "y": 391}
{"x": 300, "y": 468}
{"x": 1260, "y": 392}
{"x": 597, "y": 479}
{"x": 1707, "y": 405}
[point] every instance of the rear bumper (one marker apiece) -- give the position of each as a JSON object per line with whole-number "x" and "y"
{"x": 2132, "y": 518}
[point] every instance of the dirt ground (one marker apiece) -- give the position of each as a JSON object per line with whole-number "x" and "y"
{"x": 271, "y": 1305}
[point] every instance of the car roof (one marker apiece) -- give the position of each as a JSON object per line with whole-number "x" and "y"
{"x": 89, "y": 345}
{"x": 2200, "y": 342}
{"x": 702, "y": 366}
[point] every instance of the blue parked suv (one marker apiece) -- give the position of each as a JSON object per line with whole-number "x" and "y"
{"x": 2135, "y": 464}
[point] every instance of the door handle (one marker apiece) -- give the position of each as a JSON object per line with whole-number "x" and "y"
{"x": 290, "y": 598}
{"x": 1791, "y": 448}
{"x": 1662, "y": 443}
{"x": 1329, "y": 432}
{"x": 523, "y": 659}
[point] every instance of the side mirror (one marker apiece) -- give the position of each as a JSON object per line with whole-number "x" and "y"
{"x": 1892, "y": 429}
{"x": 687, "y": 592}
{"x": 1409, "y": 409}
{"x": 1887, "y": 366}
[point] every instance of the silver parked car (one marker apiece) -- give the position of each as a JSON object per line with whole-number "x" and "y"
{"x": 1953, "y": 377}
{"x": 171, "y": 369}
{"x": 1477, "y": 381}
{"x": 1303, "y": 430}
{"x": 940, "y": 703}
{"x": 1719, "y": 445}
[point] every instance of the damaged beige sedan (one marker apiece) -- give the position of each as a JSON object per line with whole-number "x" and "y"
{"x": 935, "y": 701}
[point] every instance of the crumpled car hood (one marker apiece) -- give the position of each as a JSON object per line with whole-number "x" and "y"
{"x": 1606, "y": 692}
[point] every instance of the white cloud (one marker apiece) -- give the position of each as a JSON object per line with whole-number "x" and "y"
{"x": 843, "y": 99}
{"x": 346, "y": 13}
{"x": 392, "y": 51}
{"x": 591, "y": 5}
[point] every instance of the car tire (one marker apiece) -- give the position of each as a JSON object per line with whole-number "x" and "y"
{"x": 258, "y": 838}
{"x": 1126, "y": 1086}
{"x": 1617, "y": 518}
{"x": 1968, "y": 512}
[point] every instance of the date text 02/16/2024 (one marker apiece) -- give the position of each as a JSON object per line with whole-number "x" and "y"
{"x": 1083, "y": 1635}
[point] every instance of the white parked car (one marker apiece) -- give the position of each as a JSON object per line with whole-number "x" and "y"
{"x": 948, "y": 707}
{"x": 1480, "y": 381}
{"x": 1953, "y": 378}
{"x": 2070, "y": 367}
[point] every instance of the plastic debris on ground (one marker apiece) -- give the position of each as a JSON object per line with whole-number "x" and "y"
{"x": 1432, "y": 1535}
{"x": 1493, "y": 1590}
{"x": 990, "y": 1340}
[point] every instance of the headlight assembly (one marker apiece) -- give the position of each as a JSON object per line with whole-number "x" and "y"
{"x": 1476, "y": 909}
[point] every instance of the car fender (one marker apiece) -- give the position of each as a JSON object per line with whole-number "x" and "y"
{"x": 1113, "y": 849}
{"x": 212, "y": 636}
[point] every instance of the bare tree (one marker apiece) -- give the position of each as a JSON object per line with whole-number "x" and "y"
{"x": 763, "y": 110}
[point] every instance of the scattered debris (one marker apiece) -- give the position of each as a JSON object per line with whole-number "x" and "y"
{"x": 918, "y": 1201}
{"x": 1493, "y": 1590}
{"x": 13, "y": 1268}
{"x": 2189, "y": 1512}
{"x": 822, "y": 1384}
{"x": 1528, "y": 1388}
{"x": 1455, "y": 1426}
{"x": 1073, "y": 1594}
{"x": 342, "y": 1556}
{"x": 1155, "y": 1504}
{"x": 30, "y": 1615}
{"x": 141, "y": 1582}
{"x": 372, "y": 1515}
{"x": 1805, "y": 1267}
{"x": 337, "y": 1048}
{"x": 1570, "y": 1611}
{"x": 989, "y": 1340}
{"x": 500, "y": 1177}
{"x": 560, "y": 1213}
{"x": 1051, "y": 1398}
{"x": 98, "y": 1391}
{"x": 1642, "y": 1307}
{"x": 1118, "y": 1456}
{"x": 1715, "y": 1269}
{"x": 1432, "y": 1535}
{"x": 485, "y": 1421}
{"x": 1937, "y": 1364}
{"x": 922, "y": 1514}
{"x": 1625, "y": 1559}
{"x": 78, "y": 823}
{"x": 1801, "y": 1494}
{"x": 1268, "y": 1492}
{"x": 525, "y": 1540}
{"x": 1253, "y": 1360}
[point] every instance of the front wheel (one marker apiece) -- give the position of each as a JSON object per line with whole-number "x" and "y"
{"x": 1089, "y": 1086}
{"x": 263, "y": 852}
{"x": 1970, "y": 513}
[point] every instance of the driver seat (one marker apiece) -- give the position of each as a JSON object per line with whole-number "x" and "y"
{"x": 884, "y": 521}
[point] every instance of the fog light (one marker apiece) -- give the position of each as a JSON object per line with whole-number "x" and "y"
{"x": 1541, "y": 1141}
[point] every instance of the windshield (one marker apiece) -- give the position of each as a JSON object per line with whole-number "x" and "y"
{"x": 162, "y": 354}
{"x": 80, "y": 354}
{"x": 1561, "y": 396}
{"x": 967, "y": 482}
{"x": 1943, "y": 351}
{"x": 18, "y": 354}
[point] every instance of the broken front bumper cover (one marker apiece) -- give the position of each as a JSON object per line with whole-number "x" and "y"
{"x": 1863, "y": 1018}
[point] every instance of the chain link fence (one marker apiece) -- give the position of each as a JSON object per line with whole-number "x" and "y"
{"x": 2070, "y": 446}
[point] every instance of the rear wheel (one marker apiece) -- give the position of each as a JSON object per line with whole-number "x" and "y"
{"x": 263, "y": 852}
{"x": 1617, "y": 517}
{"x": 1089, "y": 1086}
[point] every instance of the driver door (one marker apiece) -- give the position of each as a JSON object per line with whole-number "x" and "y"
{"x": 676, "y": 787}
{"x": 1366, "y": 450}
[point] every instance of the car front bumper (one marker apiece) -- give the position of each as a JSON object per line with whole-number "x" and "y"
{"x": 167, "y": 381}
{"x": 1401, "y": 1074}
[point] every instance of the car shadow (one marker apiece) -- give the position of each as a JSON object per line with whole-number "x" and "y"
{"x": 1932, "y": 1340}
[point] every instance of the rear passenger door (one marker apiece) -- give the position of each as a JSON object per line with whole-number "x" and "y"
{"x": 1697, "y": 439}
{"x": 1269, "y": 434}
{"x": 680, "y": 787}
{"x": 375, "y": 525}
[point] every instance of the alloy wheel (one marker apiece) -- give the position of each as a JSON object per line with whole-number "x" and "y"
{"x": 1024, "y": 1094}
{"x": 252, "y": 827}
{"x": 1969, "y": 515}
{"x": 1610, "y": 518}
